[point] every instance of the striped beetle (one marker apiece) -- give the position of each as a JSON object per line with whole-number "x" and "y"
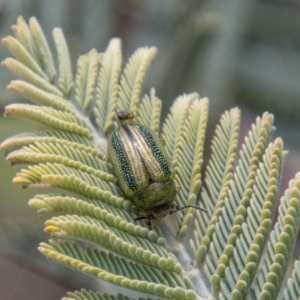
{"x": 144, "y": 174}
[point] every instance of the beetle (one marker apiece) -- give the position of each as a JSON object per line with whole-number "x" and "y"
{"x": 143, "y": 172}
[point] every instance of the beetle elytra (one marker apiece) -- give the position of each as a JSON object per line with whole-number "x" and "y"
{"x": 143, "y": 171}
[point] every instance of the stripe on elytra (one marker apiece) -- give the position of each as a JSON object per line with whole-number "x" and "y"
{"x": 127, "y": 173}
{"x": 146, "y": 133}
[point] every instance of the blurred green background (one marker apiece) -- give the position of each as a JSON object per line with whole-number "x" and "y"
{"x": 237, "y": 53}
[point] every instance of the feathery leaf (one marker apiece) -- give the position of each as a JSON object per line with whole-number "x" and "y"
{"x": 56, "y": 136}
{"x": 21, "y": 54}
{"x": 292, "y": 290}
{"x": 224, "y": 217}
{"x": 246, "y": 254}
{"x": 281, "y": 244}
{"x": 24, "y": 36}
{"x": 219, "y": 172}
{"x": 40, "y": 95}
{"x": 65, "y": 77}
{"x": 122, "y": 243}
{"x": 94, "y": 231}
{"x": 183, "y": 133}
{"x": 108, "y": 88}
{"x": 132, "y": 78}
{"x": 50, "y": 117}
{"x": 149, "y": 112}
{"x": 116, "y": 270}
{"x": 87, "y": 68}
{"x": 90, "y": 295}
{"x": 188, "y": 160}
{"x": 45, "y": 56}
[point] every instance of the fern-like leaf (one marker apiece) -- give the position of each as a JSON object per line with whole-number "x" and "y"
{"x": 90, "y": 295}
{"x": 132, "y": 78}
{"x": 281, "y": 244}
{"x": 23, "y": 56}
{"x": 117, "y": 270}
{"x": 218, "y": 175}
{"x": 108, "y": 88}
{"x": 87, "y": 67}
{"x": 92, "y": 230}
{"x": 292, "y": 291}
{"x": 149, "y": 112}
{"x": 44, "y": 54}
{"x": 65, "y": 77}
{"x": 23, "y": 34}
{"x": 40, "y": 95}
{"x": 50, "y": 117}
{"x": 250, "y": 244}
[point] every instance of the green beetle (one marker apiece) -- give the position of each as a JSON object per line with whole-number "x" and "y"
{"x": 139, "y": 162}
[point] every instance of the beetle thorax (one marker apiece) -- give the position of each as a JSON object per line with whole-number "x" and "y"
{"x": 154, "y": 196}
{"x": 157, "y": 212}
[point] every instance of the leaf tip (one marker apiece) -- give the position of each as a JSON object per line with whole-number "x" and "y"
{"x": 51, "y": 229}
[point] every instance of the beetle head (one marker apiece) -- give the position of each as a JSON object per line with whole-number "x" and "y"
{"x": 160, "y": 211}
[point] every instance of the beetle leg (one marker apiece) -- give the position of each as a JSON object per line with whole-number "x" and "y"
{"x": 140, "y": 218}
{"x": 149, "y": 218}
{"x": 149, "y": 224}
{"x": 174, "y": 211}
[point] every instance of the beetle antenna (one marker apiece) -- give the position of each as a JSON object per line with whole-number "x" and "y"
{"x": 187, "y": 206}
